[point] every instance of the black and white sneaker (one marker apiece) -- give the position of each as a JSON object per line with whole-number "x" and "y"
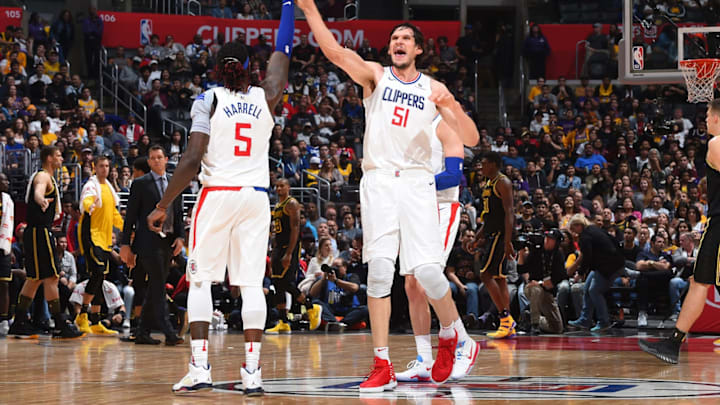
{"x": 665, "y": 350}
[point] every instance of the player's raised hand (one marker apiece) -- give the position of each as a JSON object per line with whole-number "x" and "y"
{"x": 305, "y": 5}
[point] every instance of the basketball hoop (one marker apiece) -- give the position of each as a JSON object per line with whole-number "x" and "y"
{"x": 700, "y": 76}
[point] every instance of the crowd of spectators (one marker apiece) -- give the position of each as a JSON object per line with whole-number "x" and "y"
{"x": 629, "y": 158}
{"x": 265, "y": 9}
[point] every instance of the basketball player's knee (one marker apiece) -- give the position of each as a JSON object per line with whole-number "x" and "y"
{"x": 254, "y": 309}
{"x": 380, "y": 277}
{"x": 200, "y": 307}
{"x": 413, "y": 289}
{"x": 432, "y": 279}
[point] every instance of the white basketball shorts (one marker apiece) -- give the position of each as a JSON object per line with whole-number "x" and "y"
{"x": 449, "y": 224}
{"x": 230, "y": 229}
{"x": 400, "y": 216}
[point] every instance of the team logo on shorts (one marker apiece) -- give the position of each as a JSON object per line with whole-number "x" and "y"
{"x": 496, "y": 387}
{"x": 193, "y": 266}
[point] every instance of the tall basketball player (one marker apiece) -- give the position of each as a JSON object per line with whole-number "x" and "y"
{"x": 447, "y": 160}
{"x": 231, "y": 221}
{"x": 498, "y": 222}
{"x": 43, "y": 205}
{"x": 397, "y": 192}
{"x": 707, "y": 266}
{"x": 285, "y": 260}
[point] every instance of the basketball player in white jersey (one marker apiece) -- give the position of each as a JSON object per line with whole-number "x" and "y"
{"x": 231, "y": 221}
{"x": 447, "y": 157}
{"x": 397, "y": 191}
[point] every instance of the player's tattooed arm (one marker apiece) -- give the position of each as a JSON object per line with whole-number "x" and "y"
{"x": 276, "y": 79}
{"x": 277, "y": 71}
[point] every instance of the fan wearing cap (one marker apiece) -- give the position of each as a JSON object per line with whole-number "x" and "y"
{"x": 528, "y": 217}
{"x": 313, "y": 170}
{"x": 543, "y": 268}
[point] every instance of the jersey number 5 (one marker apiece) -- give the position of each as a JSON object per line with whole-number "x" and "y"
{"x": 239, "y": 150}
{"x": 400, "y": 117}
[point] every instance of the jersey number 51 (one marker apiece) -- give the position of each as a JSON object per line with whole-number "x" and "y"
{"x": 400, "y": 116}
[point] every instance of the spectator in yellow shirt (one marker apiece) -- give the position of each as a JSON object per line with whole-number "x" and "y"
{"x": 536, "y": 90}
{"x": 52, "y": 64}
{"x": 21, "y": 57}
{"x": 87, "y": 103}
{"x": 314, "y": 169}
{"x": 6, "y": 64}
{"x": 48, "y": 138}
{"x": 344, "y": 166}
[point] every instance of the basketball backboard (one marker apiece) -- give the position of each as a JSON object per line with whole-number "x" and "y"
{"x": 657, "y": 38}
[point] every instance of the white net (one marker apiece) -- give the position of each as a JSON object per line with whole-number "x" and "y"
{"x": 700, "y": 77}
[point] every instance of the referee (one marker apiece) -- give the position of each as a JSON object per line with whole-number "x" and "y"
{"x": 706, "y": 272}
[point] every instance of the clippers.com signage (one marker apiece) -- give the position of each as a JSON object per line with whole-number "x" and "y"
{"x": 131, "y": 30}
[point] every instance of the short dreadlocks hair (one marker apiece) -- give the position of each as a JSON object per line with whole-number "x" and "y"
{"x": 231, "y": 65}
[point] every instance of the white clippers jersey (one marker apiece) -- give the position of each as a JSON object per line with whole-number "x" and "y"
{"x": 451, "y": 194}
{"x": 240, "y": 130}
{"x": 398, "y": 118}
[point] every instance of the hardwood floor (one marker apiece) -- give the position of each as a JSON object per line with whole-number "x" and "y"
{"x": 325, "y": 369}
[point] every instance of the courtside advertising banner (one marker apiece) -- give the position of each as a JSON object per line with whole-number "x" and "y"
{"x": 130, "y": 30}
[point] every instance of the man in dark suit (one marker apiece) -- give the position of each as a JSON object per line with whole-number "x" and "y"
{"x": 153, "y": 250}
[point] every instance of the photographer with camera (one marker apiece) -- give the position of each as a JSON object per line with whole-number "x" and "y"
{"x": 336, "y": 291}
{"x": 541, "y": 263}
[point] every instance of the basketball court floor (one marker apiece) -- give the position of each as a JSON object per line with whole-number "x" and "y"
{"x": 319, "y": 368}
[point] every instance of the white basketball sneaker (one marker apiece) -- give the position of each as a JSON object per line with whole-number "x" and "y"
{"x": 418, "y": 371}
{"x": 4, "y": 328}
{"x": 252, "y": 382}
{"x": 466, "y": 354}
{"x": 197, "y": 379}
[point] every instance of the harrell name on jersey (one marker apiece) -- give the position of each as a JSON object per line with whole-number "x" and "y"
{"x": 448, "y": 195}
{"x": 240, "y": 130}
{"x": 398, "y": 118}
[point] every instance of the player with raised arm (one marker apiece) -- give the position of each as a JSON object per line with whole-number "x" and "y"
{"x": 447, "y": 161}
{"x": 397, "y": 192}
{"x": 230, "y": 225}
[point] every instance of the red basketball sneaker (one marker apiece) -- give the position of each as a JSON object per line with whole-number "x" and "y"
{"x": 381, "y": 378}
{"x": 445, "y": 360}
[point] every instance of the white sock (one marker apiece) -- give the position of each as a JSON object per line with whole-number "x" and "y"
{"x": 447, "y": 332}
{"x": 199, "y": 351}
{"x": 424, "y": 347}
{"x": 252, "y": 356}
{"x": 382, "y": 353}
{"x": 460, "y": 329}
